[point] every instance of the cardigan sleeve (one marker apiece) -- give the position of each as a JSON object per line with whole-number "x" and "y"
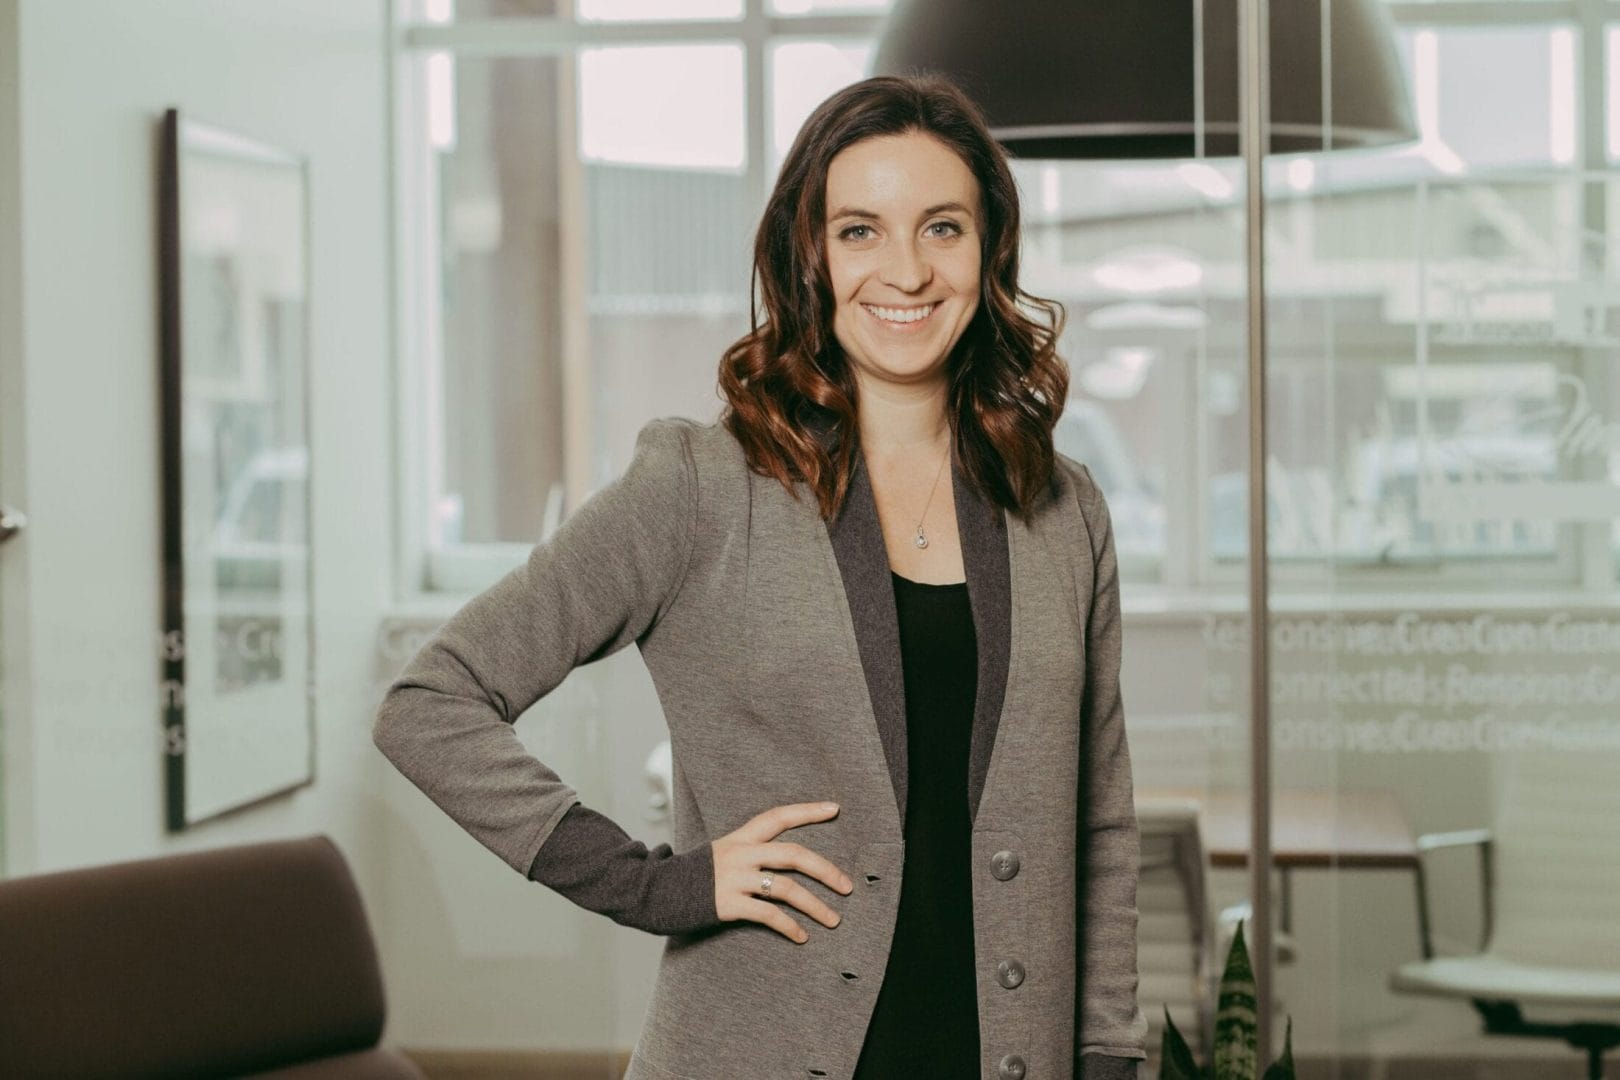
{"x": 1111, "y": 1029}
{"x": 603, "y": 579}
{"x": 1106, "y": 1067}
{"x": 593, "y": 862}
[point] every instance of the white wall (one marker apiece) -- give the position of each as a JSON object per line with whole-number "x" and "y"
{"x": 93, "y": 80}
{"x": 85, "y": 783}
{"x": 82, "y": 87}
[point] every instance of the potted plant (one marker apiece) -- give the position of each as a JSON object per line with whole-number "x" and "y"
{"x": 1236, "y": 1056}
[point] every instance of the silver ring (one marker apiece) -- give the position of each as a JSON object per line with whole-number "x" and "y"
{"x": 765, "y": 883}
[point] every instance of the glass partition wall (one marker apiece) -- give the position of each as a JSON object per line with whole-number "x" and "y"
{"x": 1441, "y": 523}
{"x": 579, "y": 188}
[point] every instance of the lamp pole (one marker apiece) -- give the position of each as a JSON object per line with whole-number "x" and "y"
{"x": 1254, "y": 135}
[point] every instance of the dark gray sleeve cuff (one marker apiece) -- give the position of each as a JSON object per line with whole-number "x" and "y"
{"x": 597, "y": 865}
{"x": 1106, "y": 1067}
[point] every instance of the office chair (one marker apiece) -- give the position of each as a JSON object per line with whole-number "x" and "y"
{"x": 1174, "y": 934}
{"x": 1550, "y": 886}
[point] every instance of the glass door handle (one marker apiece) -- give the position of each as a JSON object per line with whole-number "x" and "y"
{"x": 11, "y": 522}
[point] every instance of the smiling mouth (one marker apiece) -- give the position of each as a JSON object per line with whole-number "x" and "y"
{"x": 902, "y": 316}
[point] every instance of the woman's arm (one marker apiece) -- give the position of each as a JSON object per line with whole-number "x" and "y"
{"x": 602, "y": 580}
{"x": 1110, "y": 1029}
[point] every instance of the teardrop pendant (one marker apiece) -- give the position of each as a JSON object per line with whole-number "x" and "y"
{"x": 921, "y": 541}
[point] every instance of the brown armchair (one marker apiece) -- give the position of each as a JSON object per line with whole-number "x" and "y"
{"x": 244, "y": 960}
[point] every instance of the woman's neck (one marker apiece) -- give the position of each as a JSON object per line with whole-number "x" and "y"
{"x": 900, "y": 421}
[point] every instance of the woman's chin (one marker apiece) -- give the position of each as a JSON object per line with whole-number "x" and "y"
{"x": 904, "y": 367}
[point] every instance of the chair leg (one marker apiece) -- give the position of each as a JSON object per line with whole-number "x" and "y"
{"x": 1504, "y": 1018}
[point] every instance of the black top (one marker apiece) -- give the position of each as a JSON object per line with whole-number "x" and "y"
{"x": 926, "y": 1020}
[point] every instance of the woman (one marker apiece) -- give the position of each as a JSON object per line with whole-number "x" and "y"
{"x": 882, "y": 618}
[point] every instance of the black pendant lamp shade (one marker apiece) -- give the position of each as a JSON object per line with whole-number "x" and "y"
{"x": 1115, "y": 78}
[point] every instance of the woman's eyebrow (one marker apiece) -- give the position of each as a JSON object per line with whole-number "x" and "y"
{"x": 854, "y": 211}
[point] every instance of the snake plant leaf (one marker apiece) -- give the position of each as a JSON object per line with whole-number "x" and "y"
{"x": 1176, "y": 1060}
{"x": 1283, "y": 1067}
{"x": 1235, "y": 1034}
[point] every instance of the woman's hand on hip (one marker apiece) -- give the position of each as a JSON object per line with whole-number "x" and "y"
{"x": 743, "y": 859}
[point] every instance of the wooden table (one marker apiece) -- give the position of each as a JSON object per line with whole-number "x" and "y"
{"x": 1353, "y": 830}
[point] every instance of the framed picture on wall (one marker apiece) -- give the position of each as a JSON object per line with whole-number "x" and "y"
{"x": 238, "y": 631}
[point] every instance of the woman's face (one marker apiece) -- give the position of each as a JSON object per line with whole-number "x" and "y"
{"x": 902, "y": 236}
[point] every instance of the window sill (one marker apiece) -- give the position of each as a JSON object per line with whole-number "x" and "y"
{"x": 414, "y": 620}
{"x": 1153, "y": 603}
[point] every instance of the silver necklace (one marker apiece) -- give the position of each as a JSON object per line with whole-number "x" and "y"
{"x": 922, "y": 540}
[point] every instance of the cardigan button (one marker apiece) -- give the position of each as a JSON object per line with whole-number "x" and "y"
{"x": 1009, "y": 973}
{"x": 1003, "y": 864}
{"x": 1010, "y": 1067}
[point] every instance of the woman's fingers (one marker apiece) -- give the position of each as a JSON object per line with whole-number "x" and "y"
{"x": 788, "y": 891}
{"x": 762, "y": 911}
{"x": 769, "y": 824}
{"x": 798, "y": 857}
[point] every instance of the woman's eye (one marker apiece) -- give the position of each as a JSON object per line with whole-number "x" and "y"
{"x": 951, "y": 227}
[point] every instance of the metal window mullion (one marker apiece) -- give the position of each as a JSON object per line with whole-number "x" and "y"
{"x": 756, "y": 35}
{"x": 407, "y": 520}
{"x": 539, "y": 36}
{"x": 416, "y": 320}
{"x": 1594, "y": 543}
{"x": 1197, "y": 563}
{"x": 573, "y": 256}
{"x": 1480, "y": 12}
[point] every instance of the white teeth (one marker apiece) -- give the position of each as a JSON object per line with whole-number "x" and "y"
{"x": 901, "y": 315}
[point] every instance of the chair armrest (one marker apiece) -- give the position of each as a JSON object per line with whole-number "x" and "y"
{"x": 1461, "y": 838}
{"x": 1439, "y": 841}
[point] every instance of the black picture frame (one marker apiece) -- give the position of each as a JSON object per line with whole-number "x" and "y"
{"x": 238, "y": 630}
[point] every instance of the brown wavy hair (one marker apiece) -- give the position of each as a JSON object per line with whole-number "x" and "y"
{"x": 790, "y": 392}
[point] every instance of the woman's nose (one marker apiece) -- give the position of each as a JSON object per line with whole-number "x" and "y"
{"x": 906, "y": 269}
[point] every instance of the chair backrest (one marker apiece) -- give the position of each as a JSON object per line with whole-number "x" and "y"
{"x": 1175, "y": 926}
{"x": 1557, "y": 834}
{"x": 219, "y": 962}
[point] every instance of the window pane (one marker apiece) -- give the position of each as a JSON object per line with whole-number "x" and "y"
{"x": 829, "y": 7}
{"x": 666, "y": 240}
{"x": 1417, "y": 402}
{"x": 668, "y": 243}
{"x": 1121, "y": 402}
{"x": 597, "y": 10}
{"x": 673, "y": 105}
{"x": 668, "y": 254}
{"x": 803, "y": 74}
{"x": 626, "y": 10}
{"x": 1130, "y": 354}
{"x": 494, "y": 396}
{"x": 469, "y": 10}
{"x": 1362, "y": 497}
{"x": 1613, "y": 96}
{"x": 1501, "y": 96}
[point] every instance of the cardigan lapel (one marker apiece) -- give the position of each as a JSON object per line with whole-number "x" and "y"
{"x": 863, "y": 564}
{"x": 982, "y": 526}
